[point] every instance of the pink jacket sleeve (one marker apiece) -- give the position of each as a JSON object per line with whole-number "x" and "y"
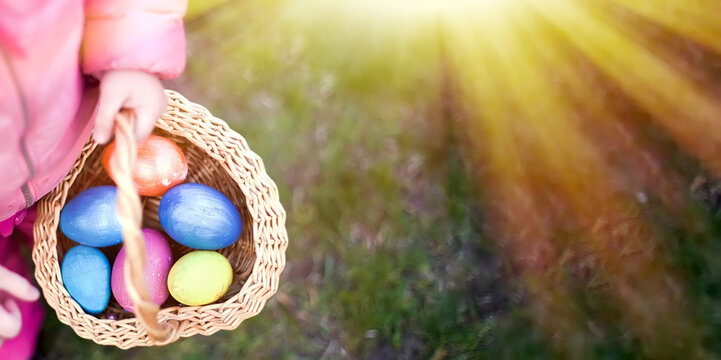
{"x": 145, "y": 35}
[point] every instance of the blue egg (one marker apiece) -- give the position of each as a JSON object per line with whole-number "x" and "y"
{"x": 199, "y": 217}
{"x": 91, "y": 218}
{"x": 86, "y": 276}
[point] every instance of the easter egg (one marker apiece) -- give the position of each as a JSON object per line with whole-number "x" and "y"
{"x": 91, "y": 218}
{"x": 161, "y": 165}
{"x": 200, "y": 278}
{"x": 199, "y": 217}
{"x": 158, "y": 260}
{"x": 86, "y": 276}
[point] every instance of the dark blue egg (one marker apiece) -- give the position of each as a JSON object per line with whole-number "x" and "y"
{"x": 199, "y": 217}
{"x": 91, "y": 218}
{"x": 86, "y": 276}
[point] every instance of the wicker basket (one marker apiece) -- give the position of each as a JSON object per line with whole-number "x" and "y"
{"x": 218, "y": 157}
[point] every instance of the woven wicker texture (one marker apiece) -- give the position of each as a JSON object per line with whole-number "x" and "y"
{"x": 218, "y": 157}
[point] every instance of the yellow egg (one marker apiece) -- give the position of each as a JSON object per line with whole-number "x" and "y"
{"x": 200, "y": 278}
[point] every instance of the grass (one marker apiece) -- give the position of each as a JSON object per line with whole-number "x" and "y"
{"x": 388, "y": 255}
{"x": 381, "y": 259}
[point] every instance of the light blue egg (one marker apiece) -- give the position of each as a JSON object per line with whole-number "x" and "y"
{"x": 91, "y": 217}
{"x": 86, "y": 276}
{"x": 199, "y": 217}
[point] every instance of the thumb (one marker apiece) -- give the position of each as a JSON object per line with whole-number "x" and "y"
{"x": 148, "y": 111}
{"x": 145, "y": 118}
{"x": 109, "y": 104}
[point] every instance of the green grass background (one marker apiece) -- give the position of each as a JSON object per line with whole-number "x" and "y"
{"x": 387, "y": 258}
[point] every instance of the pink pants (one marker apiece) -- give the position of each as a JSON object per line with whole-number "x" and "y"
{"x": 14, "y": 233}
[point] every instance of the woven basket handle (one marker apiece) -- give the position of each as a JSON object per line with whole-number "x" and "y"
{"x": 130, "y": 213}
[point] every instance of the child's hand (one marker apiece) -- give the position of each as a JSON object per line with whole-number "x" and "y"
{"x": 13, "y": 287}
{"x": 138, "y": 91}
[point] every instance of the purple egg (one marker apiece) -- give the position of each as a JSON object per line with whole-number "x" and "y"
{"x": 158, "y": 260}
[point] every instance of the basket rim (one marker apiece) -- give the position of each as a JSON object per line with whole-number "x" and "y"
{"x": 263, "y": 279}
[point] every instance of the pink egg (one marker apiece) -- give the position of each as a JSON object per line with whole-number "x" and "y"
{"x": 158, "y": 260}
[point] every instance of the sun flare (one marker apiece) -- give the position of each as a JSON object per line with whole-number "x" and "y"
{"x": 556, "y": 98}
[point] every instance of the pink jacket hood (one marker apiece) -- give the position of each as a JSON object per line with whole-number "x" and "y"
{"x": 49, "y": 49}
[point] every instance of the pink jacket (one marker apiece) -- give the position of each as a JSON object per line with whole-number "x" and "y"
{"x": 48, "y": 51}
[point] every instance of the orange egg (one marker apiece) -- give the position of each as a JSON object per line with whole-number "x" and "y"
{"x": 161, "y": 165}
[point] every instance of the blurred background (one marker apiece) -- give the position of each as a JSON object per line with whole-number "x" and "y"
{"x": 469, "y": 179}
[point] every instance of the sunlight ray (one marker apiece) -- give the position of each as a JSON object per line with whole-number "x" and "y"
{"x": 696, "y": 20}
{"x": 559, "y": 166}
{"x": 684, "y": 110}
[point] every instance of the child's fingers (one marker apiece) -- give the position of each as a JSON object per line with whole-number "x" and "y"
{"x": 148, "y": 104}
{"x": 109, "y": 104}
{"x": 146, "y": 117}
{"x": 10, "y": 319}
{"x": 134, "y": 90}
{"x": 17, "y": 286}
